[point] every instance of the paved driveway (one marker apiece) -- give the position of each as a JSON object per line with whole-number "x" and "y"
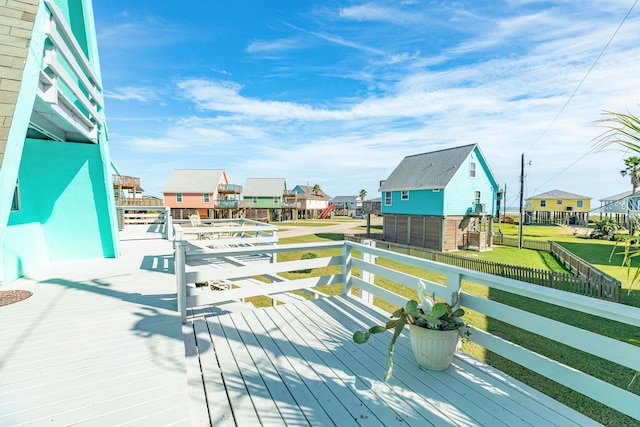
{"x": 346, "y": 227}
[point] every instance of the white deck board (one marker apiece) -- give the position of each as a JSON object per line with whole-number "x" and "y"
{"x": 98, "y": 343}
{"x": 296, "y": 364}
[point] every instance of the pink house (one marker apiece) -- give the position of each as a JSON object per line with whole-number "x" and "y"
{"x": 205, "y": 192}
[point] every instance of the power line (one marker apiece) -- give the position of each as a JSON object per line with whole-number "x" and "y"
{"x": 582, "y": 81}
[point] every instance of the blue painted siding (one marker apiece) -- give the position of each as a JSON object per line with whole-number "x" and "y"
{"x": 421, "y": 202}
{"x": 460, "y": 192}
{"x": 64, "y": 208}
{"x": 619, "y": 206}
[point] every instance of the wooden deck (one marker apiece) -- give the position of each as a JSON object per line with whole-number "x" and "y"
{"x": 98, "y": 343}
{"x": 295, "y": 364}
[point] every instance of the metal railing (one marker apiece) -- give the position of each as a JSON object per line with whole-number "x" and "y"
{"x": 372, "y": 270}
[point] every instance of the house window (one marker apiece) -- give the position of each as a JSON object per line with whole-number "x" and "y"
{"x": 254, "y": 199}
{"x": 205, "y": 197}
{"x": 543, "y": 203}
{"x": 559, "y": 201}
{"x": 477, "y": 197}
{"x": 578, "y": 203}
{"x": 276, "y": 200}
{"x": 178, "y": 197}
{"x": 387, "y": 198}
{"x": 472, "y": 170}
{"x": 15, "y": 203}
{"x": 404, "y": 195}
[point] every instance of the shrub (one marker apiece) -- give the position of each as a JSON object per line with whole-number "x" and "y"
{"x": 308, "y": 255}
{"x": 605, "y": 229}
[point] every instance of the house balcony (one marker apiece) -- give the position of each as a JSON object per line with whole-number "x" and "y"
{"x": 288, "y": 204}
{"x": 479, "y": 209}
{"x": 229, "y": 189}
{"x": 126, "y": 181}
{"x": 226, "y": 204}
{"x": 69, "y": 102}
{"x": 138, "y": 201}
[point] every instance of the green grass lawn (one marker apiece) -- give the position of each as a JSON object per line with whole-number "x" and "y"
{"x": 594, "y": 251}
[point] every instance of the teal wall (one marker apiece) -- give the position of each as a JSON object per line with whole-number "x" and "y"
{"x": 19, "y": 125}
{"x": 64, "y": 207}
{"x": 460, "y": 192}
{"x": 421, "y": 202}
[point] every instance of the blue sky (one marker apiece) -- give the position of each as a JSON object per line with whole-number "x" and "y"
{"x": 336, "y": 93}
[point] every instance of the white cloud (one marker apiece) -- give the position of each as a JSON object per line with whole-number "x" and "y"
{"x": 271, "y": 46}
{"x": 135, "y": 93}
{"x": 375, "y": 12}
{"x": 504, "y": 99}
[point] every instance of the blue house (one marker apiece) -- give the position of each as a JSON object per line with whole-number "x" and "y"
{"x": 56, "y": 188}
{"x": 618, "y": 207}
{"x": 443, "y": 200}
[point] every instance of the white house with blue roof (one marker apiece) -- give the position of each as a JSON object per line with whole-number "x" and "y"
{"x": 443, "y": 200}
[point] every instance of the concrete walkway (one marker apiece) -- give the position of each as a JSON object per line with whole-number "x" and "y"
{"x": 345, "y": 227}
{"x": 98, "y": 343}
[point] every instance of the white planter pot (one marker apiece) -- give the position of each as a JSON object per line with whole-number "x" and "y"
{"x": 433, "y": 349}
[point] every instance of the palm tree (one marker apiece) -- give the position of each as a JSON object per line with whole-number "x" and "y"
{"x": 632, "y": 168}
{"x": 316, "y": 189}
{"x": 622, "y": 129}
{"x": 363, "y": 194}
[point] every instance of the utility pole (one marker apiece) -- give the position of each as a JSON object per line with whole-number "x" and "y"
{"x": 521, "y": 216}
{"x": 504, "y": 202}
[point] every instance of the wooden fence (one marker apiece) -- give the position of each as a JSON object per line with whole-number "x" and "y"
{"x": 536, "y": 245}
{"x": 597, "y": 286}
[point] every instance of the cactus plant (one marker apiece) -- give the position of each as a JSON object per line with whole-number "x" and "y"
{"x": 431, "y": 315}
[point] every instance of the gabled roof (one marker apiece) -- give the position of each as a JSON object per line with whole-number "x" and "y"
{"x": 619, "y": 196}
{"x": 428, "y": 170}
{"x": 194, "y": 181}
{"x": 558, "y": 194}
{"x": 308, "y": 192}
{"x": 345, "y": 199}
{"x": 264, "y": 187}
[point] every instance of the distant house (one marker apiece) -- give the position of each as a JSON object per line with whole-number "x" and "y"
{"x": 619, "y": 206}
{"x": 443, "y": 200}
{"x": 557, "y": 207}
{"x": 263, "y": 198}
{"x": 347, "y": 205}
{"x": 373, "y": 206}
{"x": 312, "y": 202}
{"x": 56, "y": 189}
{"x": 205, "y": 192}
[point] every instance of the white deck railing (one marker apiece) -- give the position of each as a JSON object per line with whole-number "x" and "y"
{"x": 226, "y": 232}
{"x": 610, "y": 349}
{"x": 69, "y": 84}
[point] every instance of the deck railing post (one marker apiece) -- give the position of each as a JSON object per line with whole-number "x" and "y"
{"x": 168, "y": 224}
{"x": 346, "y": 268}
{"x": 454, "y": 285}
{"x": 181, "y": 277}
{"x": 367, "y": 276}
